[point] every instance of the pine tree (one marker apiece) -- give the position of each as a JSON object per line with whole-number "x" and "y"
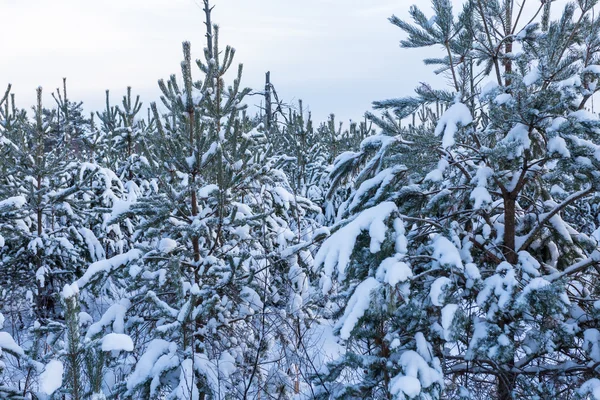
{"x": 44, "y": 180}
{"x": 474, "y": 258}
{"x": 202, "y": 292}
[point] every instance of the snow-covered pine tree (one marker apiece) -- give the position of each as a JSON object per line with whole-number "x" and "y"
{"x": 305, "y": 154}
{"x": 44, "y": 179}
{"x": 467, "y": 276}
{"x": 295, "y": 142}
{"x": 121, "y": 173}
{"x": 204, "y": 291}
{"x": 12, "y": 357}
{"x": 45, "y": 219}
{"x": 13, "y": 301}
{"x": 122, "y": 131}
{"x": 68, "y": 126}
{"x": 108, "y": 123}
{"x": 364, "y": 274}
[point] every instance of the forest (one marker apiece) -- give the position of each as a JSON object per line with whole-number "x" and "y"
{"x": 447, "y": 246}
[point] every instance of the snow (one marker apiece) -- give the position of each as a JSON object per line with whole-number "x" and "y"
{"x": 480, "y": 194}
{"x": 283, "y": 197}
{"x": 561, "y": 227}
{"x": 528, "y": 264}
{"x": 323, "y": 231}
{"x": 381, "y": 180}
{"x": 209, "y": 153}
{"x": 337, "y": 249}
{"x": 472, "y": 271}
{"x": 94, "y": 246}
{"x": 406, "y": 385}
{"x": 64, "y": 242}
{"x": 423, "y": 347}
{"x": 243, "y": 210}
{"x": 8, "y": 343}
{"x": 446, "y": 253}
{"x": 345, "y": 157}
{"x": 437, "y": 174}
{"x": 557, "y": 124}
{"x": 51, "y": 378}
{"x": 591, "y": 343}
{"x": 114, "y": 315}
{"x": 594, "y": 69}
{"x": 191, "y": 161}
{"x": 583, "y": 115}
{"x": 488, "y": 88}
{"x": 379, "y": 139}
{"x": 534, "y": 285}
{"x": 108, "y": 265}
{"x": 208, "y": 368}
{"x": 457, "y": 115}
{"x": 358, "y": 304}
{"x": 558, "y": 145}
{"x": 436, "y": 292}
{"x": 166, "y": 245}
{"x": 584, "y": 161}
{"x": 417, "y": 374}
{"x": 13, "y": 202}
{"x": 448, "y": 313}
{"x": 480, "y": 197}
{"x": 117, "y": 342}
{"x": 119, "y": 207}
{"x": 226, "y": 365}
{"x": 254, "y": 289}
{"x": 532, "y": 76}
{"x": 186, "y": 389}
{"x": 502, "y": 98}
{"x": 518, "y": 137}
{"x": 147, "y": 364}
{"x": 253, "y": 300}
{"x": 592, "y": 387}
{"x": 70, "y": 290}
{"x": 392, "y": 271}
{"x": 401, "y": 245}
{"x": 35, "y": 244}
{"x": 205, "y": 191}
{"x": 501, "y": 285}
{"x": 321, "y": 333}
{"x": 480, "y": 333}
{"x": 40, "y": 276}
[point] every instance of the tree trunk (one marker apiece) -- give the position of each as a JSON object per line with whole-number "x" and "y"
{"x": 510, "y": 211}
{"x": 268, "y": 103}
{"x": 507, "y": 382}
{"x": 506, "y": 378}
{"x": 509, "y": 42}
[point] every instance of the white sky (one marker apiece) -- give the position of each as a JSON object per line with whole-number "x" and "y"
{"x": 336, "y": 55}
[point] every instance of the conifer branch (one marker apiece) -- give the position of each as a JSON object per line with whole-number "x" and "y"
{"x": 566, "y": 202}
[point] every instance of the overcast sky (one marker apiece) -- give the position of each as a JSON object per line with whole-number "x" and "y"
{"x": 336, "y": 55}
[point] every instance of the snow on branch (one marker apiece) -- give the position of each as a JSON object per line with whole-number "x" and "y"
{"x": 107, "y": 265}
{"x": 457, "y": 115}
{"x": 337, "y": 249}
{"x": 579, "y": 266}
{"x": 548, "y": 216}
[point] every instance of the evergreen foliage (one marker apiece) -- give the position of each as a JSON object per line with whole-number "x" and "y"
{"x": 475, "y": 265}
{"x": 445, "y": 247}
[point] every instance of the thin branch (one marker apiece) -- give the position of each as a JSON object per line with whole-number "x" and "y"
{"x": 569, "y": 200}
{"x": 577, "y": 267}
